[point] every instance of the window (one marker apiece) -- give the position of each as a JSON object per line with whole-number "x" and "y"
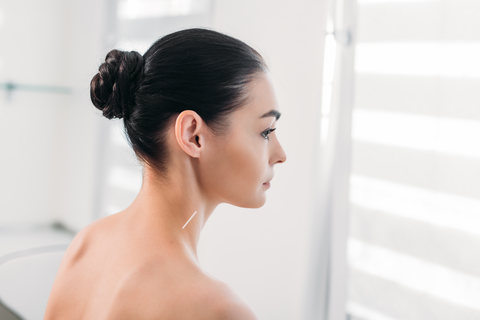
{"x": 414, "y": 188}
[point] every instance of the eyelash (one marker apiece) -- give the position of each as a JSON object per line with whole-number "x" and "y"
{"x": 267, "y": 132}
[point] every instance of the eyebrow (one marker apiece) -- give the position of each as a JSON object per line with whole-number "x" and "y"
{"x": 272, "y": 113}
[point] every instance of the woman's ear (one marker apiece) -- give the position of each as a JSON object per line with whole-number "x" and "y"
{"x": 189, "y": 132}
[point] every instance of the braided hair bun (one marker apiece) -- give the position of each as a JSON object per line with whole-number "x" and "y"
{"x": 113, "y": 88}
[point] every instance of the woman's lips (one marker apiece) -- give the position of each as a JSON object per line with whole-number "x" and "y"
{"x": 267, "y": 184}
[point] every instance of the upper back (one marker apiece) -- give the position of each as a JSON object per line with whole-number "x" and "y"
{"x": 105, "y": 275}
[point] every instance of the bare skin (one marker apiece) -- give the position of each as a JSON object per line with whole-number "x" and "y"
{"x": 140, "y": 263}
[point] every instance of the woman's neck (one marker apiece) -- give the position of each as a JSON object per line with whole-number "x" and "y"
{"x": 164, "y": 205}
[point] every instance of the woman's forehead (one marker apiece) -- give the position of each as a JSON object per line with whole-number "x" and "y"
{"x": 262, "y": 102}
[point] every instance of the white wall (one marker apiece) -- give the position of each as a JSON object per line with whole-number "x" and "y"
{"x": 264, "y": 253}
{"x": 31, "y": 53}
{"x": 83, "y": 125}
{"x": 48, "y": 141}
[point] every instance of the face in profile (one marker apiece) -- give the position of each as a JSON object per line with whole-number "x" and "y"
{"x": 239, "y": 165}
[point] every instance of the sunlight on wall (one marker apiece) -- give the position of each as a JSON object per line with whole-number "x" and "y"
{"x": 420, "y": 275}
{"x": 363, "y": 2}
{"x": 328, "y": 73}
{"x": 365, "y": 313}
{"x": 424, "y": 132}
{"x": 438, "y": 208}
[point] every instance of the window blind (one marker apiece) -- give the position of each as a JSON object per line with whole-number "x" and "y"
{"x": 415, "y": 188}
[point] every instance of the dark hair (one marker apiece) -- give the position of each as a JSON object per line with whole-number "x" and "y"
{"x": 194, "y": 69}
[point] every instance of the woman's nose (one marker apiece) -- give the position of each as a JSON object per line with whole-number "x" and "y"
{"x": 279, "y": 155}
{"x": 283, "y": 155}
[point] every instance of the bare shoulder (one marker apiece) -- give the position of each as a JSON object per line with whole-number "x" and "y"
{"x": 196, "y": 297}
{"x": 96, "y": 232}
{"x": 71, "y": 272}
{"x": 80, "y": 245}
{"x": 222, "y": 302}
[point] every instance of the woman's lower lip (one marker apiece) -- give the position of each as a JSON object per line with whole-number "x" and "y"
{"x": 267, "y": 184}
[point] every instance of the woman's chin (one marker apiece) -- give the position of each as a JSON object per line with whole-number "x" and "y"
{"x": 253, "y": 201}
{"x": 256, "y": 203}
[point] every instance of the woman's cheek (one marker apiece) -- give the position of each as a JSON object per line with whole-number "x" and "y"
{"x": 247, "y": 167}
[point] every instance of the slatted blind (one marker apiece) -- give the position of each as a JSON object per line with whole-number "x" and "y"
{"x": 136, "y": 25}
{"x": 414, "y": 242}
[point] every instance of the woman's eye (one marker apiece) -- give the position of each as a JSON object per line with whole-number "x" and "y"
{"x": 267, "y": 132}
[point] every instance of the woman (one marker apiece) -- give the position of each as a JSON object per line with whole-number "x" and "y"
{"x": 199, "y": 111}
